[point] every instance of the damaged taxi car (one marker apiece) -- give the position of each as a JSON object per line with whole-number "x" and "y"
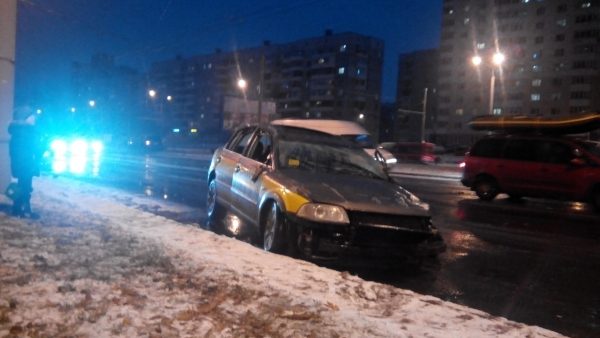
{"x": 314, "y": 195}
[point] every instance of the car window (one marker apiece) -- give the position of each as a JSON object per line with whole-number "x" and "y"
{"x": 553, "y": 152}
{"x": 362, "y": 140}
{"x": 488, "y": 148}
{"x": 592, "y": 147}
{"x": 262, "y": 148}
{"x": 240, "y": 140}
{"x": 520, "y": 150}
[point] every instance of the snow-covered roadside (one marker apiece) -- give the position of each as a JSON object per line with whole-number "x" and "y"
{"x": 98, "y": 264}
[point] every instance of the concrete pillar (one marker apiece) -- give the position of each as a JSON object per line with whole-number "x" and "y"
{"x": 8, "y": 32}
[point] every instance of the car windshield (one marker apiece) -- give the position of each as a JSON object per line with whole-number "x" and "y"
{"x": 322, "y": 153}
{"x": 361, "y": 140}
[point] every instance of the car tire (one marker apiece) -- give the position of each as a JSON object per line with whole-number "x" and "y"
{"x": 214, "y": 210}
{"x": 486, "y": 188}
{"x": 273, "y": 239}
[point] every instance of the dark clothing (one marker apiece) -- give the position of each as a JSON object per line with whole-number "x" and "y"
{"x": 25, "y": 155}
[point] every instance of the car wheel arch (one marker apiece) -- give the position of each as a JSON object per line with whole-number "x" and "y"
{"x": 264, "y": 204}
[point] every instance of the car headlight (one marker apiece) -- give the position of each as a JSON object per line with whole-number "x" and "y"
{"x": 324, "y": 213}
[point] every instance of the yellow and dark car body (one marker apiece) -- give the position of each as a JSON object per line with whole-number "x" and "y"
{"x": 314, "y": 195}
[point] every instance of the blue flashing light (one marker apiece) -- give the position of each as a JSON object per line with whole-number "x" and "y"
{"x": 97, "y": 147}
{"x": 59, "y": 147}
{"x": 176, "y": 130}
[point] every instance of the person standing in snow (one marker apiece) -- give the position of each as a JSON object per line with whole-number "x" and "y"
{"x": 25, "y": 155}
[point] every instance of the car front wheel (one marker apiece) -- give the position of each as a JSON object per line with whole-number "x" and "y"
{"x": 486, "y": 188}
{"x": 273, "y": 237}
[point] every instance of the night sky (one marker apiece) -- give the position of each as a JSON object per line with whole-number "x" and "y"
{"x": 54, "y": 33}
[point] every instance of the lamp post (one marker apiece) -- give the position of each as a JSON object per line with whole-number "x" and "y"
{"x": 497, "y": 60}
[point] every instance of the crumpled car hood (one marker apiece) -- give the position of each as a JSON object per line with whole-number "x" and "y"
{"x": 353, "y": 192}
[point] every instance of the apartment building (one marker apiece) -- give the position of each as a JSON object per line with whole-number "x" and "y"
{"x": 550, "y": 66}
{"x": 334, "y": 76}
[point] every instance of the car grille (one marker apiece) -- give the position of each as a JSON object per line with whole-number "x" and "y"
{"x": 392, "y": 222}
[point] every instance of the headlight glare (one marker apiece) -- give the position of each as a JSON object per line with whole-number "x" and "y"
{"x": 323, "y": 213}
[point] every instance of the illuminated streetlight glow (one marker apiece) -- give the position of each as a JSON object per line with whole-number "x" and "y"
{"x": 92, "y": 103}
{"x": 498, "y": 59}
{"x": 361, "y": 116}
{"x": 169, "y": 98}
{"x": 73, "y": 109}
{"x": 152, "y": 93}
{"x": 39, "y": 111}
{"x": 242, "y": 84}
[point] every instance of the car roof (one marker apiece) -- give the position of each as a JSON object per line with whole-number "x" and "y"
{"x": 333, "y": 127}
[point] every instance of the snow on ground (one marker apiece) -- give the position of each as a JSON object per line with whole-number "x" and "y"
{"x": 101, "y": 263}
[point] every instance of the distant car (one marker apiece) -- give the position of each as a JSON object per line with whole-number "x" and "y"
{"x": 349, "y": 130}
{"x": 316, "y": 195}
{"x": 417, "y": 152}
{"x": 537, "y": 166}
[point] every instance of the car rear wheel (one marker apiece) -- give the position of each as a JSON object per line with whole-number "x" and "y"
{"x": 214, "y": 210}
{"x": 273, "y": 236}
{"x": 486, "y": 188}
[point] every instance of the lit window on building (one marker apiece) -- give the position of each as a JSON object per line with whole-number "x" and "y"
{"x": 343, "y": 48}
{"x": 341, "y": 70}
{"x": 536, "y": 97}
{"x": 466, "y": 21}
{"x": 481, "y": 45}
{"x": 586, "y": 4}
{"x": 536, "y": 68}
{"x": 562, "y": 22}
{"x": 536, "y": 55}
{"x": 497, "y": 111}
{"x": 321, "y": 60}
{"x": 536, "y": 83}
{"x": 459, "y": 111}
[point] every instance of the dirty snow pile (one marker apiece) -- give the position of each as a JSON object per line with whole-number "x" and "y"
{"x": 99, "y": 263}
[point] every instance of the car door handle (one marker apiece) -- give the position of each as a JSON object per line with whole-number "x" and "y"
{"x": 218, "y": 159}
{"x": 237, "y": 168}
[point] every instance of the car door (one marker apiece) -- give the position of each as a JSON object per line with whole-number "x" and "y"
{"x": 246, "y": 178}
{"x": 557, "y": 176}
{"x": 228, "y": 160}
{"x": 519, "y": 171}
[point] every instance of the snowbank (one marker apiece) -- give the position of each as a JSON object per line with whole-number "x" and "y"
{"x": 97, "y": 263}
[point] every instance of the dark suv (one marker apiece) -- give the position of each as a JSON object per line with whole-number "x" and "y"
{"x": 536, "y": 166}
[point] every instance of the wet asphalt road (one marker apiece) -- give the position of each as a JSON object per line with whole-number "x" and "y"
{"x": 535, "y": 261}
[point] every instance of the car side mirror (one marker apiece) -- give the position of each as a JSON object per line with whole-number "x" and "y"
{"x": 258, "y": 171}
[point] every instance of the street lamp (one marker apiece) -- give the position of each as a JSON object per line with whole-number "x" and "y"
{"x": 497, "y": 60}
{"x": 242, "y": 84}
{"x": 92, "y": 103}
{"x": 152, "y": 93}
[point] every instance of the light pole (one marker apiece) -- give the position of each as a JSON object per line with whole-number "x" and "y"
{"x": 497, "y": 60}
{"x": 423, "y": 117}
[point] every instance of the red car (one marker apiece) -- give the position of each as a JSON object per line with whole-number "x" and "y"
{"x": 537, "y": 166}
